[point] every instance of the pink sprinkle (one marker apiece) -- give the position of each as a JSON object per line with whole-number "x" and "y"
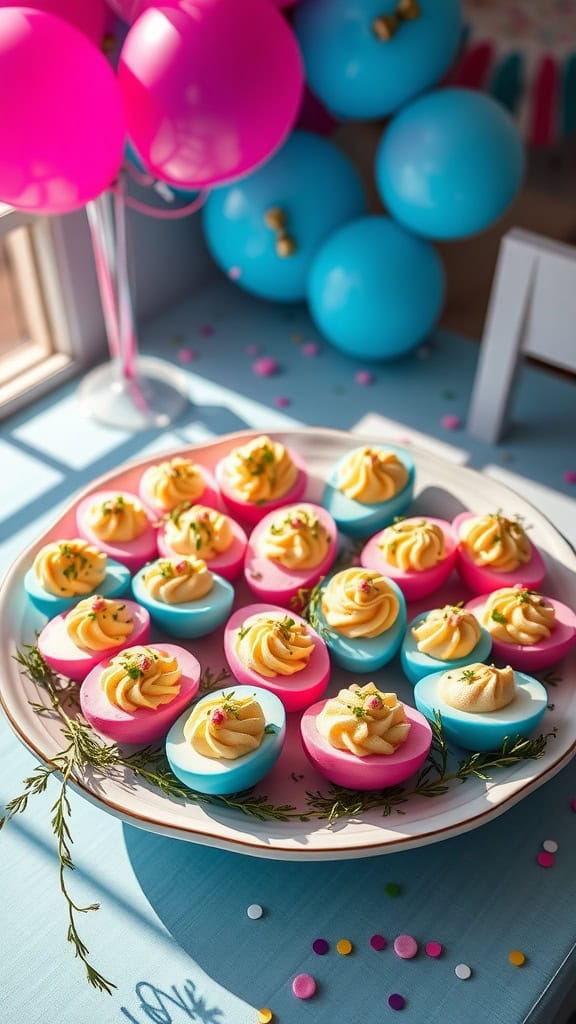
{"x": 98, "y": 604}
{"x": 311, "y": 348}
{"x": 265, "y": 367}
{"x": 451, "y": 422}
{"x": 364, "y": 377}
{"x": 405, "y": 946}
{"x": 186, "y": 355}
{"x": 570, "y": 476}
{"x": 545, "y": 860}
{"x": 235, "y": 273}
{"x": 218, "y": 717}
{"x": 145, "y": 664}
{"x": 181, "y": 566}
{"x": 434, "y": 949}
{"x": 252, "y": 350}
{"x": 296, "y": 524}
{"x": 373, "y": 703}
{"x": 378, "y": 942}
{"x": 282, "y": 401}
{"x": 304, "y": 986}
{"x": 206, "y": 331}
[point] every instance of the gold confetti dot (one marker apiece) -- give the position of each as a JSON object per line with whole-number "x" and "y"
{"x": 265, "y": 1015}
{"x": 344, "y": 947}
{"x": 516, "y": 958}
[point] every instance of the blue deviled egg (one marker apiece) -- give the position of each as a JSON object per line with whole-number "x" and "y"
{"x": 183, "y": 597}
{"x": 229, "y": 741}
{"x": 65, "y": 571}
{"x": 368, "y": 488}
{"x": 482, "y": 705}
{"x": 443, "y": 638}
{"x": 361, "y": 616}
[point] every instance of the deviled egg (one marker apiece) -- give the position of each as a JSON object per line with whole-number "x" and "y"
{"x": 364, "y": 738}
{"x": 529, "y": 630}
{"x": 168, "y": 484}
{"x": 279, "y": 651}
{"x": 135, "y": 696}
{"x": 447, "y": 637}
{"x": 495, "y": 551}
{"x": 417, "y": 553}
{"x": 73, "y": 642}
{"x": 183, "y": 596}
{"x": 117, "y": 523}
{"x": 206, "y": 533}
{"x": 260, "y": 476}
{"x": 289, "y": 551}
{"x": 482, "y": 705}
{"x": 229, "y": 741}
{"x": 368, "y": 488}
{"x": 362, "y": 617}
{"x": 64, "y": 571}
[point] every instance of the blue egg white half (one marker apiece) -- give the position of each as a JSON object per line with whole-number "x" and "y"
{"x": 416, "y": 664}
{"x": 190, "y": 619}
{"x": 363, "y": 654}
{"x": 116, "y": 583}
{"x": 361, "y": 520}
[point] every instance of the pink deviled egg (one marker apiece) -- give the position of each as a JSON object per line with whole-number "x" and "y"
{"x": 364, "y": 738}
{"x": 205, "y": 533}
{"x": 265, "y": 646}
{"x": 495, "y": 551}
{"x": 529, "y": 630}
{"x": 136, "y": 696}
{"x": 170, "y": 483}
{"x": 417, "y": 553}
{"x": 75, "y": 641}
{"x": 117, "y": 523}
{"x": 260, "y": 476}
{"x": 290, "y": 550}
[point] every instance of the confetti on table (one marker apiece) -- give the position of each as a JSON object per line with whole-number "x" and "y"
{"x": 434, "y": 949}
{"x": 405, "y": 946}
{"x": 265, "y": 367}
{"x": 235, "y": 273}
{"x": 265, "y": 1015}
{"x": 186, "y": 355}
{"x": 516, "y": 958}
{"x": 254, "y": 911}
{"x": 364, "y": 377}
{"x": 545, "y": 860}
{"x": 282, "y": 401}
{"x": 393, "y": 889}
{"x": 396, "y": 1001}
{"x": 304, "y": 986}
{"x": 344, "y": 947}
{"x": 311, "y": 348}
{"x": 463, "y": 972}
{"x": 550, "y": 845}
{"x": 206, "y": 331}
{"x": 378, "y": 942}
{"x": 451, "y": 422}
{"x": 570, "y": 476}
{"x": 320, "y": 946}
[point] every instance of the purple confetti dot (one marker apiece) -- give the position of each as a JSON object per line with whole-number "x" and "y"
{"x": 570, "y": 476}
{"x": 235, "y": 273}
{"x": 451, "y": 422}
{"x": 206, "y": 331}
{"x": 364, "y": 377}
{"x": 186, "y": 355}
{"x": 396, "y": 1001}
{"x": 311, "y": 348}
{"x": 282, "y": 401}
{"x": 378, "y": 942}
{"x": 320, "y": 946}
{"x": 265, "y": 367}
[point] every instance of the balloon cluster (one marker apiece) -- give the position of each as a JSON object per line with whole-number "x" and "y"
{"x": 204, "y": 95}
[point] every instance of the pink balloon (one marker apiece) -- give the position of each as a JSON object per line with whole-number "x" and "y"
{"x": 211, "y": 89}
{"x": 87, "y": 15}
{"x": 62, "y": 123}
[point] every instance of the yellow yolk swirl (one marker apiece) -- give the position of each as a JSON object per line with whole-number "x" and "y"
{"x": 414, "y": 545}
{"x": 478, "y": 688}
{"x": 359, "y": 603}
{"x": 515, "y": 615}
{"x": 274, "y": 647}
{"x": 369, "y": 475}
{"x": 141, "y": 677}
{"x": 260, "y": 471}
{"x": 69, "y": 568}
{"x": 296, "y": 539}
{"x": 226, "y": 727}
{"x": 117, "y": 519}
{"x": 364, "y": 721}
{"x": 172, "y": 482}
{"x": 97, "y": 623}
{"x": 178, "y": 582}
{"x": 495, "y": 542}
{"x": 447, "y": 633}
{"x": 199, "y": 531}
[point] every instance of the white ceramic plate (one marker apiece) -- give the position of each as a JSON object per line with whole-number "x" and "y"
{"x": 442, "y": 489}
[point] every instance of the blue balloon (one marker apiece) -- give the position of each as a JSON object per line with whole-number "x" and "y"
{"x": 264, "y": 230}
{"x": 374, "y": 290}
{"x": 357, "y": 73}
{"x": 450, "y": 163}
